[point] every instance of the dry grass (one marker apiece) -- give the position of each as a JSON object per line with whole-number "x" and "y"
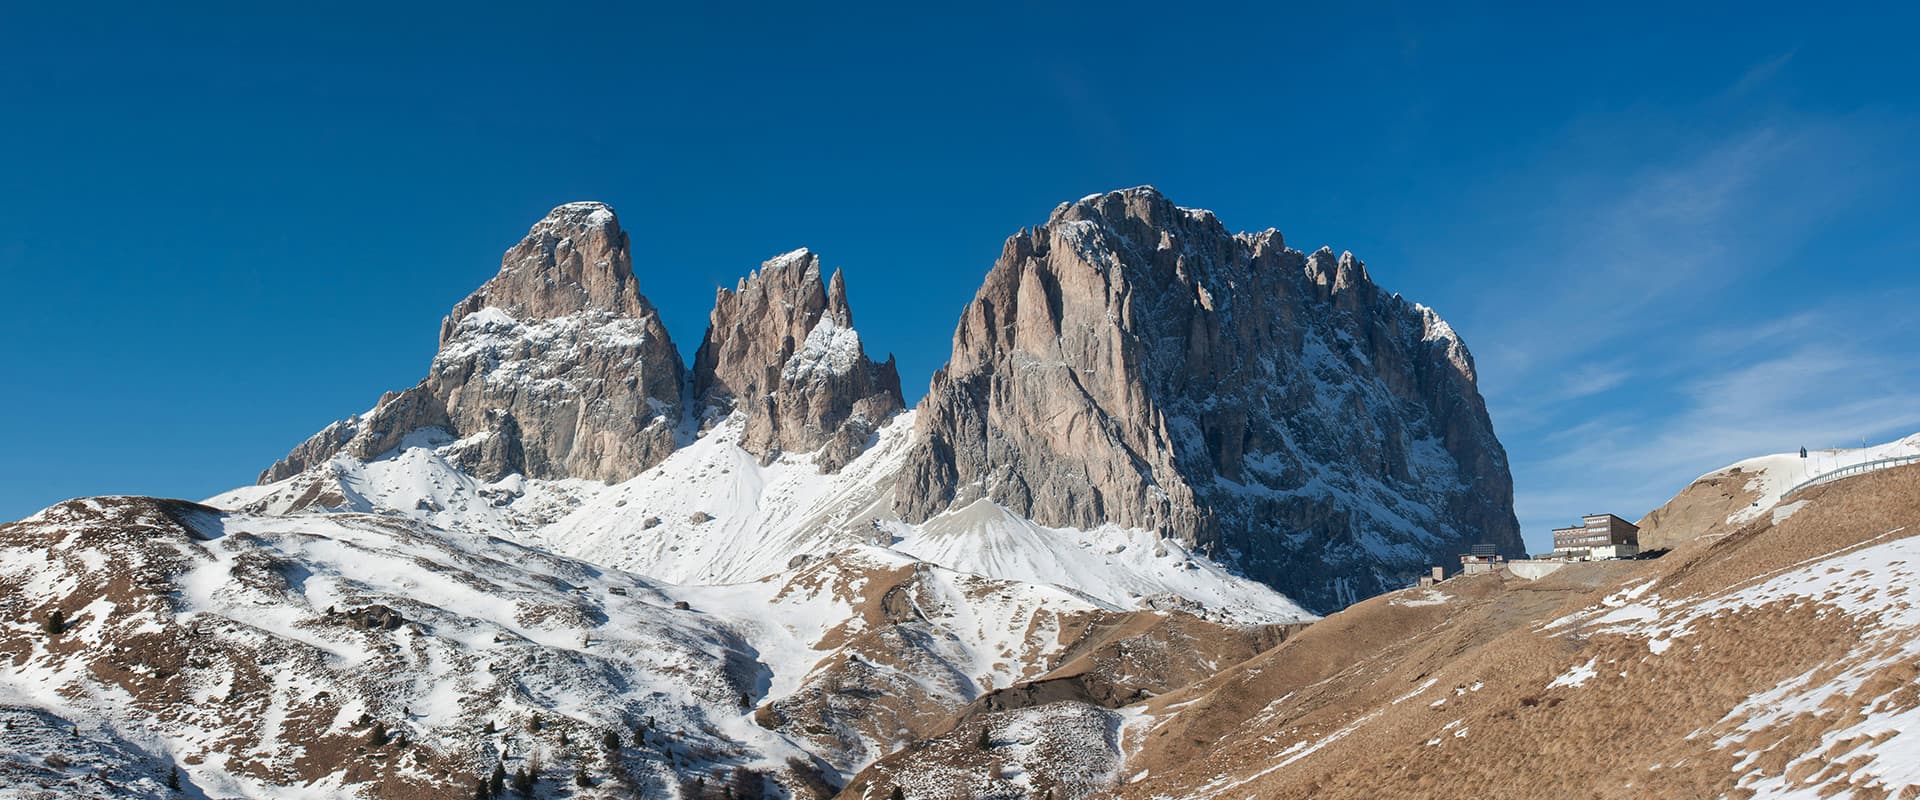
{"x": 1644, "y": 725}
{"x": 1699, "y": 510}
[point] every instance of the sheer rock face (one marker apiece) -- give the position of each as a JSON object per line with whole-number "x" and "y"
{"x": 782, "y": 348}
{"x": 1132, "y": 362}
{"x": 555, "y": 368}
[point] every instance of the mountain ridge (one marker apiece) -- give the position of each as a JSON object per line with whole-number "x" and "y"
{"x": 1271, "y": 408}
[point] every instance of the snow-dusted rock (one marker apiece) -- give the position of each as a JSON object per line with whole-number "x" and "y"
{"x": 780, "y": 346}
{"x": 558, "y": 367}
{"x": 349, "y": 655}
{"x": 1132, "y": 362}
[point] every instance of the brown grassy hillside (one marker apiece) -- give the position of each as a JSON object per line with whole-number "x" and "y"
{"x": 1779, "y": 657}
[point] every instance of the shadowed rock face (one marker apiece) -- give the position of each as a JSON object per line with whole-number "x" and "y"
{"x": 557, "y": 367}
{"x": 1132, "y": 362}
{"x": 781, "y": 347}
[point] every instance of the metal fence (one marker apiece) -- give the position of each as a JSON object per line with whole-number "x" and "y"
{"x": 1861, "y": 468}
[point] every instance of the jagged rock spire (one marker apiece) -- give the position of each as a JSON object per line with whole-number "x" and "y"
{"x": 781, "y": 348}
{"x": 575, "y": 259}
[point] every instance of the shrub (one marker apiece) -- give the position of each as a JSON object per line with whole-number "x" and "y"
{"x": 747, "y": 784}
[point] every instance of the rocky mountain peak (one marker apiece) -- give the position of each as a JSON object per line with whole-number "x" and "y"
{"x": 1132, "y": 362}
{"x": 1140, "y": 215}
{"x": 575, "y": 259}
{"x": 781, "y": 348}
{"x": 556, "y": 367}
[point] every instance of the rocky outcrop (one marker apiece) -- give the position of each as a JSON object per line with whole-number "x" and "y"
{"x": 1132, "y": 362}
{"x": 781, "y": 348}
{"x": 557, "y": 367}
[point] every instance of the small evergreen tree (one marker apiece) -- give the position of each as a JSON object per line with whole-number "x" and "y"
{"x": 55, "y": 624}
{"x": 491, "y": 728}
{"x": 580, "y": 778}
{"x": 746, "y": 701}
{"x": 985, "y": 741}
{"x": 898, "y": 794}
{"x": 533, "y": 723}
{"x": 610, "y": 741}
{"x": 497, "y": 784}
{"x": 523, "y": 782}
{"x": 379, "y": 737}
{"x": 173, "y": 779}
{"x": 480, "y": 791}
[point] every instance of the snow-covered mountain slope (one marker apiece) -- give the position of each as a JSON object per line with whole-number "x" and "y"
{"x": 270, "y": 655}
{"x": 712, "y": 513}
{"x": 1722, "y": 500}
{"x": 43, "y": 755}
{"x": 418, "y": 480}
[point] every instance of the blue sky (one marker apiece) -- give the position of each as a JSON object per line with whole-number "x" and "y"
{"x": 1673, "y": 236}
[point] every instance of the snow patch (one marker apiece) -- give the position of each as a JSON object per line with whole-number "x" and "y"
{"x": 1576, "y": 677}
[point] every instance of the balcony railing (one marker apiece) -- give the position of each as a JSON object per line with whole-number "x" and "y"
{"x": 1851, "y": 470}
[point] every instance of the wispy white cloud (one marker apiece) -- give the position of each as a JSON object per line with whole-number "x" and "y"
{"x": 1761, "y": 73}
{"x": 1622, "y": 255}
{"x": 1828, "y": 376}
{"x": 1815, "y": 394}
{"x": 1626, "y": 354}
